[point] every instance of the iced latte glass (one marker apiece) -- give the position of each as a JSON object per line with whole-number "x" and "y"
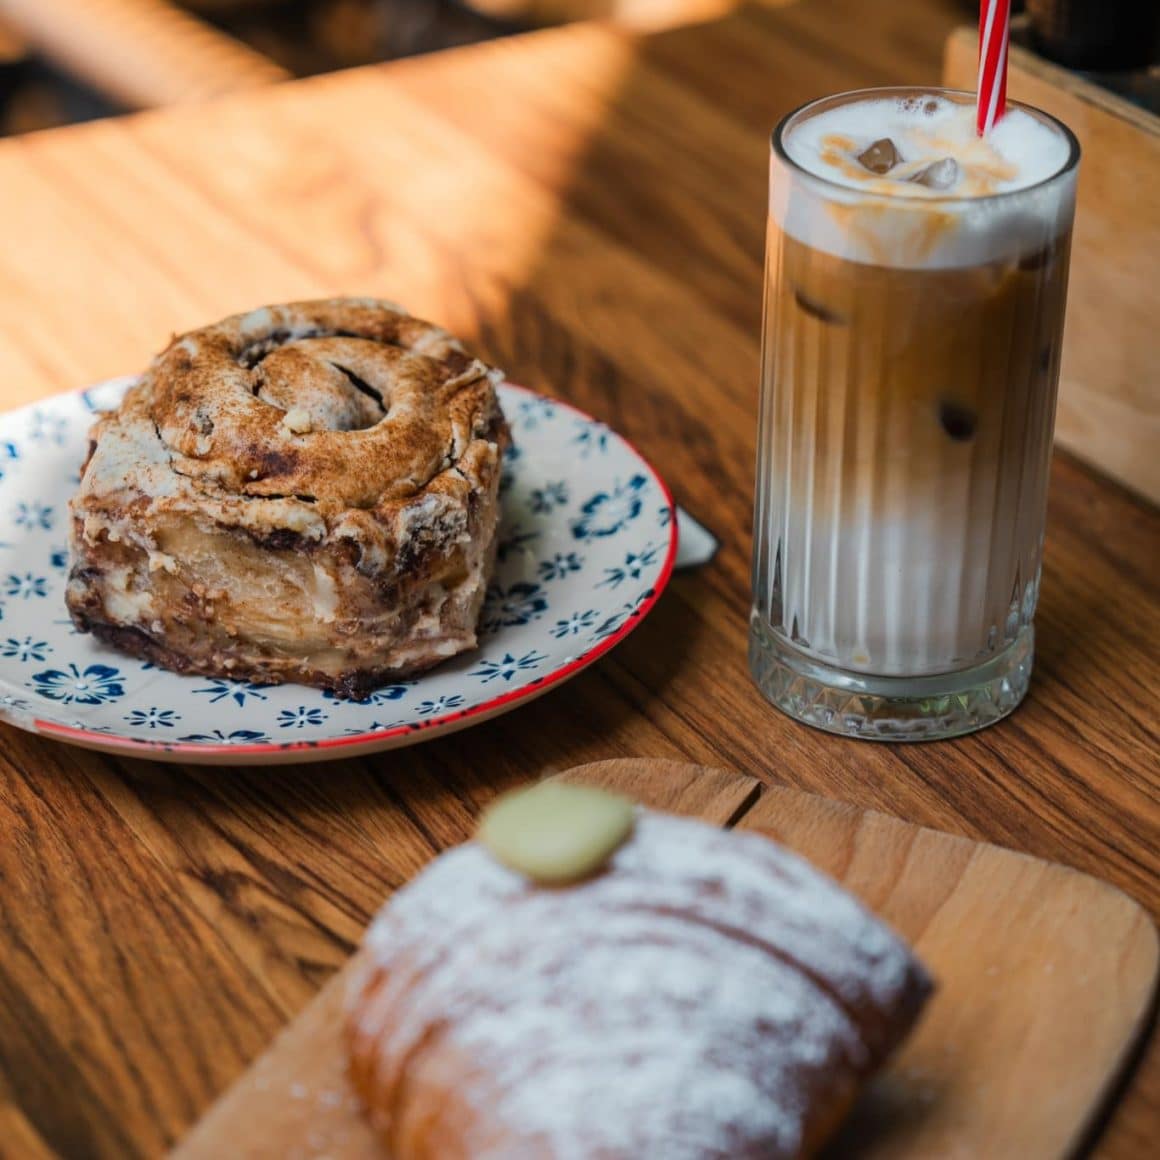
{"x": 915, "y": 285}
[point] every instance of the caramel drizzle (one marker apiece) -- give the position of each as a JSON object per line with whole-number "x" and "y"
{"x": 983, "y": 171}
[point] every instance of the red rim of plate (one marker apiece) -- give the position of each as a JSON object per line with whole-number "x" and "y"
{"x": 109, "y": 741}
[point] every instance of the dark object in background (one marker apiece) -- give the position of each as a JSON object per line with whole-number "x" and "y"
{"x": 35, "y": 96}
{"x": 305, "y": 37}
{"x": 13, "y": 61}
{"x": 316, "y": 36}
{"x": 1100, "y": 35}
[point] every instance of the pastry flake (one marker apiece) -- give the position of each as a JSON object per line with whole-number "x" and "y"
{"x": 303, "y": 493}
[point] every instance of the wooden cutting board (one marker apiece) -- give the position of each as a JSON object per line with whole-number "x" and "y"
{"x": 1046, "y": 984}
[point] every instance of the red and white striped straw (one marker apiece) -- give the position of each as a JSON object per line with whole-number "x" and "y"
{"x": 994, "y": 32}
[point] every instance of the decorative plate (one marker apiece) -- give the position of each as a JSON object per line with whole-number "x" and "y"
{"x": 587, "y": 542}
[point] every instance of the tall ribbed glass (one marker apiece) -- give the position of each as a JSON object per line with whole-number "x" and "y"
{"x": 910, "y": 358}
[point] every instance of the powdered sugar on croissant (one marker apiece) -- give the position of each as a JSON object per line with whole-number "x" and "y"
{"x": 707, "y": 994}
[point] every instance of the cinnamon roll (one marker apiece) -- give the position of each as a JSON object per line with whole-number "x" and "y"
{"x": 695, "y": 995}
{"x": 302, "y": 493}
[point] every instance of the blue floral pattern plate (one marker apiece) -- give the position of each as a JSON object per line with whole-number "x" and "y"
{"x": 587, "y": 542}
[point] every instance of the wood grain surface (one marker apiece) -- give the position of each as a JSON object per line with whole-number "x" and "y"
{"x": 588, "y": 208}
{"x": 1045, "y": 980}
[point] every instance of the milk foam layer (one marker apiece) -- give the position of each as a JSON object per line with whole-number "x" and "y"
{"x": 1012, "y": 196}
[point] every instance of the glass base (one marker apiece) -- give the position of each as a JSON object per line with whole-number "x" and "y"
{"x": 889, "y": 708}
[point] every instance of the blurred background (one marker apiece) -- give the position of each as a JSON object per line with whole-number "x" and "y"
{"x": 63, "y": 61}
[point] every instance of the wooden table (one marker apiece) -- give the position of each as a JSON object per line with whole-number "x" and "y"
{"x": 589, "y": 209}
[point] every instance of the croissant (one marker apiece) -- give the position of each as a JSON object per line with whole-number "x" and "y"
{"x": 702, "y": 994}
{"x": 302, "y": 493}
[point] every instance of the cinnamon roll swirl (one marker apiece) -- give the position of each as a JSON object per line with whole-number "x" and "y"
{"x": 703, "y": 995}
{"x": 303, "y": 493}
